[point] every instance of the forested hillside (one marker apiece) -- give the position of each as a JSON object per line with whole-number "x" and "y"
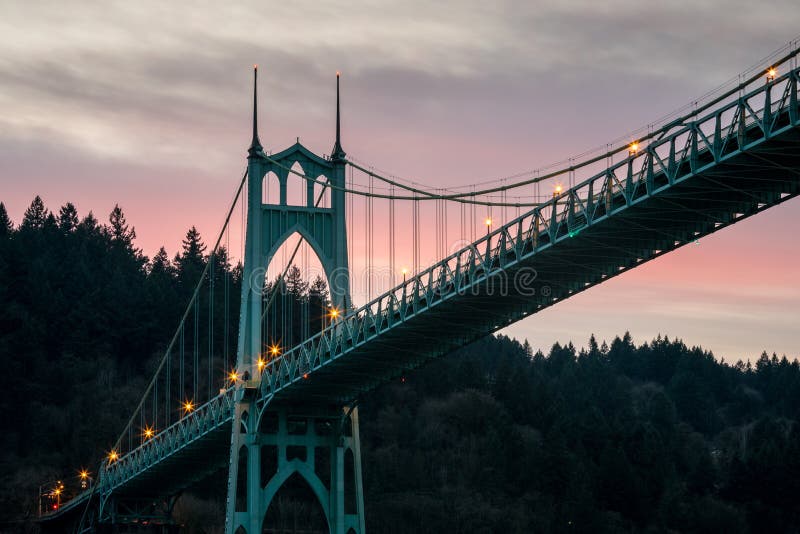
{"x": 615, "y": 438}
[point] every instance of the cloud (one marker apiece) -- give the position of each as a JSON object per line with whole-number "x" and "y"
{"x": 152, "y": 77}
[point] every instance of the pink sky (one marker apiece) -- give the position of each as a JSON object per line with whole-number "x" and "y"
{"x": 148, "y": 106}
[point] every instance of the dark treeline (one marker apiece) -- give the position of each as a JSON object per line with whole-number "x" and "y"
{"x": 85, "y": 318}
{"x": 615, "y": 438}
{"x": 655, "y": 438}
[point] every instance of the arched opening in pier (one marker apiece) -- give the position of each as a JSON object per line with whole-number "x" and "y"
{"x": 299, "y": 307}
{"x": 295, "y": 508}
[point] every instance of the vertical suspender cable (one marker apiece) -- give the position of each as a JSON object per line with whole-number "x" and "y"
{"x": 196, "y": 348}
{"x": 155, "y": 405}
{"x": 211, "y": 275}
{"x": 182, "y": 351}
{"x": 349, "y": 202}
{"x": 445, "y": 206}
{"x": 371, "y": 226}
{"x": 504, "y": 198}
{"x": 392, "y": 244}
{"x": 473, "y": 222}
{"x": 167, "y": 410}
{"x": 415, "y": 230}
{"x": 462, "y": 208}
{"x": 226, "y": 305}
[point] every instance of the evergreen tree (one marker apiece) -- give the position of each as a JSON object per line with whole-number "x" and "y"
{"x": 35, "y": 216}
{"x": 89, "y": 224}
{"x": 319, "y": 288}
{"x": 119, "y": 230}
{"x": 295, "y": 284}
{"x": 191, "y": 262}
{"x": 193, "y": 249}
{"x": 526, "y": 346}
{"x": 68, "y": 217}
{"x": 160, "y": 264}
{"x": 6, "y": 226}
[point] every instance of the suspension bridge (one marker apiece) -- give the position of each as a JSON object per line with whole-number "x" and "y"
{"x": 287, "y": 406}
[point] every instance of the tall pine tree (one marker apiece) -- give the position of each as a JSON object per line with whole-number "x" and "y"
{"x": 68, "y": 217}
{"x": 6, "y": 226}
{"x": 35, "y": 216}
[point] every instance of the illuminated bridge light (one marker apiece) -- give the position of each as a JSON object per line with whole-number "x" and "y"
{"x": 334, "y": 313}
{"x": 261, "y": 364}
{"x": 275, "y": 350}
{"x": 113, "y": 456}
{"x": 772, "y": 73}
{"x": 188, "y": 406}
{"x": 233, "y": 376}
{"x": 148, "y": 432}
{"x": 633, "y": 148}
{"x": 84, "y": 474}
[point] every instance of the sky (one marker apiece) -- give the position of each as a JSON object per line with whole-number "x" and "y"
{"x": 148, "y": 104}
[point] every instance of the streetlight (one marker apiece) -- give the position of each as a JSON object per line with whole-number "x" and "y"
{"x": 188, "y": 406}
{"x": 488, "y": 223}
{"x": 633, "y": 148}
{"x": 405, "y": 272}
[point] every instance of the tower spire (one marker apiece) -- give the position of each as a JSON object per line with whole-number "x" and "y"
{"x": 338, "y": 153}
{"x": 255, "y": 145}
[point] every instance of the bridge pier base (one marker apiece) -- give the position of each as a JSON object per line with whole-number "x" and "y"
{"x": 295, "y": 468}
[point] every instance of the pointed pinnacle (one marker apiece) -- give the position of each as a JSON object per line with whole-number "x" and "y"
{"x": 338, "y": 153}
{"x": 255, "y": 145}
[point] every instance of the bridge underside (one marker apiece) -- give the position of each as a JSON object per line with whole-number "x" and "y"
{"x": 632, "y": 232}
{"x": 189, "y": 467}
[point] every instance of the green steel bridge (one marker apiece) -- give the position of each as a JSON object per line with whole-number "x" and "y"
{"x": 295, "y": 413}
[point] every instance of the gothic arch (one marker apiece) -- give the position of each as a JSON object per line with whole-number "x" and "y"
{"x": 301, "y": 470}
{"x": 327, "y": 263}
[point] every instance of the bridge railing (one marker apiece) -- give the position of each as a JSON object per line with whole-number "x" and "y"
{"x": 204, "y": 419}
{"x": 681, "y": 149}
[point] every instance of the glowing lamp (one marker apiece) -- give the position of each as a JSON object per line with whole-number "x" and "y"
{"x": 772, "y": 73}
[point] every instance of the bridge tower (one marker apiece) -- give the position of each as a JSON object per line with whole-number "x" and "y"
{"x": 307, "y": 445}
